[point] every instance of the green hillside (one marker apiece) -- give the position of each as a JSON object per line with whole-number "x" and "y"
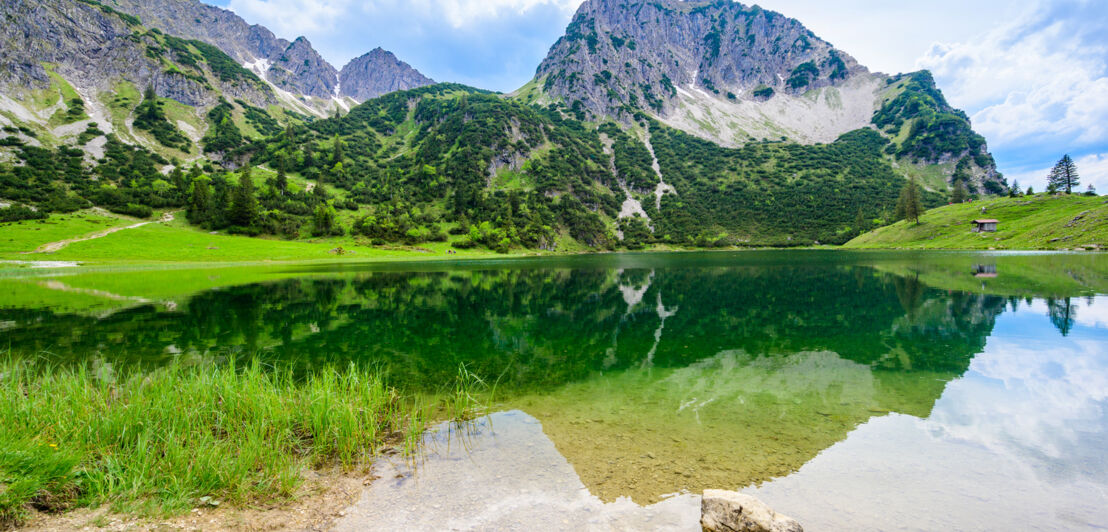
{"x": 1027, "y": 222}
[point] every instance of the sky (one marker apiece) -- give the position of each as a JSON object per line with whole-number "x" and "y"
{"x": 1032, "y": 74}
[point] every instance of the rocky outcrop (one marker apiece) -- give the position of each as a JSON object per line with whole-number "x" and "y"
{"x": 300, "y": 69}
{"x": 729, "y": 511}
{"x": 191, "y": 19}
{"x": 620, "y": 55}
{"x": 735, "y": 74}
{"x": 93, "y": 49}
{"x": 376, "y": 73}
{"x": 295, "y": 67}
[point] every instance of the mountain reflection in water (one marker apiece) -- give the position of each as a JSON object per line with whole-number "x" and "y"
{"x": 657, "y": 374}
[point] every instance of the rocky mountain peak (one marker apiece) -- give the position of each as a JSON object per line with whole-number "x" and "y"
{"x": 378, "y": 72}
{"x": 299, "y": 68}
{"x": 295, "y": 66}
{"x": 619, "y": 55}
{"x": 735, "y": 74}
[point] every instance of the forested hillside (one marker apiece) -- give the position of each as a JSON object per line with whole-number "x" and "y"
{"x": 167, "y": 123}
{"x": 414, "y": 166}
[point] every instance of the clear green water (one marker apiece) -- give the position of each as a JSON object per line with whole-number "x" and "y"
{"x": 797, "y": 374}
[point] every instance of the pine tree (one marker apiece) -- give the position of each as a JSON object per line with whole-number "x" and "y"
{"x": 180, "y": 185}
{"x": 244, "y": 206}
{"x": 336, "y": 155}
{"x": 860, "y": 224}
{"x": 282, "y": 179}
{"x": 959, "y": 194}
{"x": 200, "y": 206}
{"x": 908, "y": 205}
{"x": 1014, "y": 190}
{"x": 1064, "y": 175}
{"x": 324, "y": 220}
{"x": 309, "y": 158}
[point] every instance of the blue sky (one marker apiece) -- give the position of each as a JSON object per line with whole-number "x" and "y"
{"x": 1033, "y": 74}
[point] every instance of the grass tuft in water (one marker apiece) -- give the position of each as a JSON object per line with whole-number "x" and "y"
{"x": 179, "y": 437}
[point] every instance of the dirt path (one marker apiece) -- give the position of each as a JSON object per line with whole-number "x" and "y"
{"x": 57, "y": 246}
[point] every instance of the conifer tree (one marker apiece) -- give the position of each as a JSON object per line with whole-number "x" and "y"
{"x": 336, "y": 155}
{"x": 1064, "y": 175}
{"x": 908, "y": 205}
{"x": 282, "y": 178}
{"x": 244, "y": 206}
{"x": 200, "y": 206}
{"x": 324, "y": 220}
{"x": 860, "y": 224}
{"x": 959, "y": 194}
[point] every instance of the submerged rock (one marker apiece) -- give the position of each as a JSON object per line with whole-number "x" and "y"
{"x": 730, "y": 511}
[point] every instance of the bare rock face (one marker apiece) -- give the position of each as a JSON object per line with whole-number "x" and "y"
{"x": 637, "y": 53}
{"x": 376, "y": 73}
{"x": 300, "y": 69}
{"x": 730, "y": 511}
{"x": 93, "y": 49}
{"x": 295, "y": 67}
{"x": 191, "y": 19}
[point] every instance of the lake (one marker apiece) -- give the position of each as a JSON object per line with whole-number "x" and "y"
{"x": 852, "y": 391}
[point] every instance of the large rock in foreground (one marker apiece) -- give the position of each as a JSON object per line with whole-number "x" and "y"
{"x": 729, "y": 511}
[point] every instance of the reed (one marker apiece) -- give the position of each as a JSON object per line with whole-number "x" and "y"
{"x": 164, "y": 441}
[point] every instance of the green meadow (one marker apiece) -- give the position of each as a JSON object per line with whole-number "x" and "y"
{"x": 1026, "y": 223}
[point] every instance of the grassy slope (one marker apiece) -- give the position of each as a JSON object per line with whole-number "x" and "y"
{"x": 177, "y": 242}
{"x": 1035, "y": 222}
{"x": 17, "y": 237}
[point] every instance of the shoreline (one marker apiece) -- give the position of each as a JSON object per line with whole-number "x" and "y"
{"x": 46, "y": 267}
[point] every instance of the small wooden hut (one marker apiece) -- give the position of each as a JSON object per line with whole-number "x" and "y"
{"x": 985, "y": 226}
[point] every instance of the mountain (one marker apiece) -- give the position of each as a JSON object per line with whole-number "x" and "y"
{"x": 376, "y": 73}
{"x": 68, "y": 67}
{"x": 651, "y": 122}
{"x": 300, "y": 69}
{"x": 71, "y": 72}
{"x": 735, "y": 74}
{"x": 295, "y": 68}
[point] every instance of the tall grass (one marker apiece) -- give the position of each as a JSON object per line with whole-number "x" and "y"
{"x": 178, "y": 437}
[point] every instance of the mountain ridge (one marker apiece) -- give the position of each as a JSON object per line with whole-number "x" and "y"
{"x": 735, "y": 74}
{"x": 295, "y": 67}
{"x": 580, "y": 158}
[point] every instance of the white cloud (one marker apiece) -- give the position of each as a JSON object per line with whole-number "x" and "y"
{"x": 289, "y": 18}
{"x": 889, "y": 36}
{"x": 1092, "y": 168}
{"x": 1042, "y": 78}
{"x": 465, "y": 12}
{"x": 292, "y": 18}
